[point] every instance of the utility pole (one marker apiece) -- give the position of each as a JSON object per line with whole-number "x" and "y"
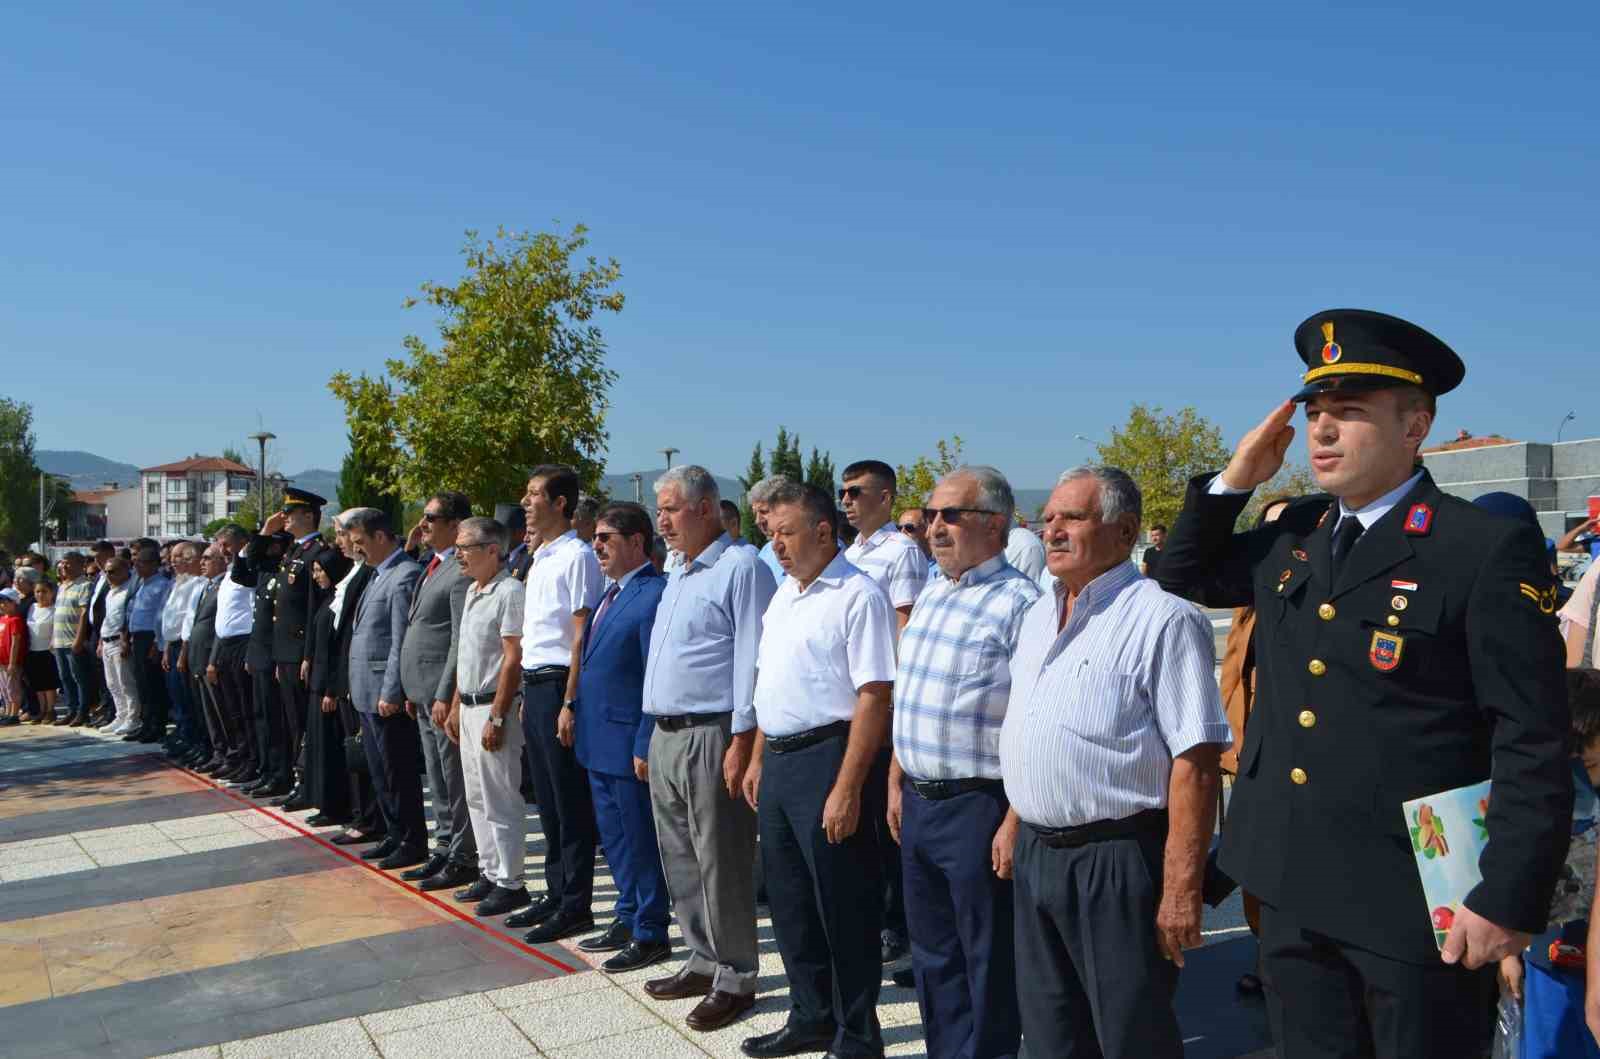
{"x": 261, "y": 504}
{"x": 668, "y": 453}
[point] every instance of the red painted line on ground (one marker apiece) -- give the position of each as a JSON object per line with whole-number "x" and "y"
{"x": 471, "y": 921}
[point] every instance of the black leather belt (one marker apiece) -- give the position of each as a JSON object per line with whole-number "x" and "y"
{"x": 1147, "y": 822}
{"x": 788, "y": 744}
{"x": 678, "y": 722}
{"x": 544, "y": 674}
{"x": 939, "y": 790}
{"x": 486, "y": 699}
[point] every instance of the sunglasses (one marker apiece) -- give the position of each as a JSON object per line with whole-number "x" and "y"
{"x": 952, "y": 514}
{"x": 602, "y": 536}
{"x": 434, "y": 516}
{"x": 910, "y": 527}
{"x": 852, "y": 491}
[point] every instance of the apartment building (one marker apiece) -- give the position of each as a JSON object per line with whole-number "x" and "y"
{"x": 180, "y": 498}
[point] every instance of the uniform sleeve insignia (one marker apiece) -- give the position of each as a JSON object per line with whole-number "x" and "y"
{"x": 1386, "y": 650}
{"x": 1544, "y": 598}
{"x": 1419, "y": 519}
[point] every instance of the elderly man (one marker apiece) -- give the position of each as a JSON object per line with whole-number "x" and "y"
{"x": 191, "y": 745}
{"x": 563, "y": 587}
{"x": 199, "y": 636}
{"x": 116, "y": 644}
{"x": 826, "y": 676}
{"x": 387, "y": 734}
{"x": 488, "y": 679}
{"x": 1109, "y": 753}
{"x": 224, "y": 669}
{"x": 913, "y": 525}
{"x": 152, "y": 585}
{"x": 699, "y": 685}
{"x": 947, "y": 802}
{"x": 428, "y": 677}
{"x": 895, "y": 562}
{"x": 613, "y": 738}
{"x": 760, "y": 501}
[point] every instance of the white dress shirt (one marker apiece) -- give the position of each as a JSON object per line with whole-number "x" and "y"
{"x": 179, "y": 605}
{"x": 117, "y": 597}
{"x": 819, "y": 646}
{"x": 1025, "y": 551}
{"x": 236, "y": 608}
{"x": 564, "y": 579}
{"x": 893, "y": 560}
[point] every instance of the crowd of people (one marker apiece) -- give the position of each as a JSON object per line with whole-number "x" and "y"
{"x": 937, "y": 735}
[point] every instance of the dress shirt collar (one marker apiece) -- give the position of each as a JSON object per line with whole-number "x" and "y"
{"x": 447, "y": 553}
{"x": 548, "y": 545}
{"x": 393, "y": 559}
{"x": 832, "y": 575}
{"x": 1380, "y": 507}
{"x": 489, "y": 586}
{"x": 1105, "y": 586}
{"x": 302, "y": 540}
{"x": 712, "y": 552}
{"x": 622, "y": 582}
{"x": 878, "y": 536}
{"x": 982, "y": 572}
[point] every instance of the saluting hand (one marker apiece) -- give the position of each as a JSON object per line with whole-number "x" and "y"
{"x": 274, "y": 524}
{"x": 1260, "y": 452}
{"x": 1474, "y": 941}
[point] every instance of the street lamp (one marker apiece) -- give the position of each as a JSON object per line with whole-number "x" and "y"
{"x": 668, "y": 453}
{"x": 1569, "y": 417}
{"x": 261, "y": 504}
{"x": 638, "y": 488}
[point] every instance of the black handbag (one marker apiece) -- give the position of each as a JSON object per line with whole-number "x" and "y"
{"x": 355, "y": 754}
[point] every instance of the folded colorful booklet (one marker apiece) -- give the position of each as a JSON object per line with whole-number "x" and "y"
{"x": 1448, "y": 834}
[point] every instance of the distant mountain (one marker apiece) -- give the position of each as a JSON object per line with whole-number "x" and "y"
{"x": 1029, "y": 501}
{"x": 86, "y": 470}
{"x": 324, "y": 483}
{"x": 621, "y": 486}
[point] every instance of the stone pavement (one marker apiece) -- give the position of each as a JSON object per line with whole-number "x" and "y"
{"x": 144, "y": 911}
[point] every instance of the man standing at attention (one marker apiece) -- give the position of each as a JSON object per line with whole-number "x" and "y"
{"x": 947, "y": 803}
{"x": 699, "y": 685}
{"x": 760, "y": 499}
{"x": 1109, "y": 752}
{"x": 1405, "y": 646}
{"x": 826, "y": 676}
{"x": 562, "y": 589}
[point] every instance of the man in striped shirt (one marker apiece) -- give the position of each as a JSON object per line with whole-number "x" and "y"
{"x": 947, "y": 805}
{"x": 1109, "y": 751}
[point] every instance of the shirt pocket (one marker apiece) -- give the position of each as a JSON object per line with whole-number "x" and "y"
{"x": 1099, "y": 702}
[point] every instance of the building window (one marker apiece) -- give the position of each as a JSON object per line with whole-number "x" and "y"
{"x": 154, "y": 509}
{"x": 152, "y": 485}
{"x": 233, "y": 507}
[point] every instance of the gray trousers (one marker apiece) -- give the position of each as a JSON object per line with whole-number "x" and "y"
{"x": 452, "y": 821}
{"x": 708, "y": 849}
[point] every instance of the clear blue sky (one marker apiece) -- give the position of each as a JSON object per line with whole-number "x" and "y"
{"x": 879, "y": 225}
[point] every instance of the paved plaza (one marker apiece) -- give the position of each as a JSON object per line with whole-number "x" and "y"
{"x": 144, "y": 912}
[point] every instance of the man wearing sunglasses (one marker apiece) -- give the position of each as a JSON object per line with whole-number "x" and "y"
{"x": 913, "y": 525}
{"x": 895, "y": 563}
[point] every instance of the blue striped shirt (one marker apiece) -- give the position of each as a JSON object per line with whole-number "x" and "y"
{"x": 954, "y": 677}
{"x": 1100, "y": 708}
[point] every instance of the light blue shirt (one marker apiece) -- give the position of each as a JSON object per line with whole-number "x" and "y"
{"x": 770, "y": 557}
{"x": 707, "y": 636}
{"x": 144, "y": 609}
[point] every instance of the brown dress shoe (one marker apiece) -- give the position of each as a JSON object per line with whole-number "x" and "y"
{"x": 718, "y": 1009}
{"x": 679, "y": 986}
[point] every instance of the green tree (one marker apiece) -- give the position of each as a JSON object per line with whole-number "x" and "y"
{"x": 819, "y": 470}
{"x": 519, "y": 377}
{"x": 914, "y": 483}
{"x": 361, "y": 468}
{"x": 785, "y": 458}
{"x": 19, "y": 476}
{"x": 232, "y": 452}
{"x": 1292, "y": 480}
{"x": 747, "y": 518}
{"x": 1162, "y": 452}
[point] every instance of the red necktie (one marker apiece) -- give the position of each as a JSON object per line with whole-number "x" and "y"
{"x": 433, "y": 564}
{"x": 604, "y": 605}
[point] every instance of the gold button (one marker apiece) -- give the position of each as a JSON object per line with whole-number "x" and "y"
{"x": 1317, "y": 667}
{"x": 1307, "y": 719}
{"x": 1394, "y": 619}
{"x": 1298, "y": 775}
{"x": 1326, "y": 612}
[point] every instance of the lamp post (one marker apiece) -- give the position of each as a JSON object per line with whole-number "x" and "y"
{"x": 668, "y": 453}
{"x": 638, "y": 488}
{"x": 1569, "y": 417}
{"x": 261, "y": 439}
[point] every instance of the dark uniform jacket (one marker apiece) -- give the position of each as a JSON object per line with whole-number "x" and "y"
{"x": 252, "y": 569}
{"x": 1433, "y": 660}
{"x": 294, "y": 596}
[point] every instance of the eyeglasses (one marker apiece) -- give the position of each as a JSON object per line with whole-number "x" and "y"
{"x": 436, "y": 516}
{"x": 463, "y": 546}
{"x": 952, "y": 514}
{"x": 910, "y": 527}
{"x": 852, "y": 491}
{"x": 602, "y": 536}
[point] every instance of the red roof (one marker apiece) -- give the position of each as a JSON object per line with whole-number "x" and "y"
{"x": 93, "y": 496}
{"x": 200, "y": 463}
{"x": 1464, "y": 440}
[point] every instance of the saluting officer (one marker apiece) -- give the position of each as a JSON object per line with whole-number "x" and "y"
{"x": 1405, "y": 646}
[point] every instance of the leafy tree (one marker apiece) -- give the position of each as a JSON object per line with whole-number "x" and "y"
{"x": 232, "y": 453}
{"x": 361, "y": 468}
{"x": 518, "y": 379}
{"x": 19, "y": 476}
{"x": 1162, "y": 452}
{"x": 819, "y": 470}
{"x": 747, "y": 517}
{"x": 914, "y": 483}
{"x": 786, "y": 457}
{"x": 1291, "y": 480}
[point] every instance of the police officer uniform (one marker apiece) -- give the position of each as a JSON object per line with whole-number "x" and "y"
{"x": 294, "y": 605}
{"x": 1402, "y": 658}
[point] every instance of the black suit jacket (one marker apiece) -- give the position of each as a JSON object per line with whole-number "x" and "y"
{"x": 203, "y": 634}
{"x": 339, "y": 643}
{"x": 1424, "y": 667}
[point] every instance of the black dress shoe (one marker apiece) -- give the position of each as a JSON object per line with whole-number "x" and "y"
{"x": 502, "y": 901}
{"x": 326, "y": 820}
{"x": 893, "y": 946}
{"x": 638, "y": 954}
{"x": 789, "y": 1040}
{"x": 382, "y": 849}
{"x": 151, "y": 737}
{"x": 296, "y": 804}
{"x": 615, "y": 939}
{"x": 478, "y": 891}
{"x": 536, "y": 913}
{"x": 274, "y": 789}
{"x": 905, "y": 978}
{"x": 243, "y": 779}
{"x": 133, "y": 736}
{"x": 403, "y": 858}
{"x": 356, "y": 838}
{"x": 448, "y": 878}
{"x": 435, "y": 863}
{"x": 561, "y": 925}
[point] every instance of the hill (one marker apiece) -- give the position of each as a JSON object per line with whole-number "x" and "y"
{"x": 621, "y": 486}
{"x": 324, "y": 483}
{"x": 84, "y": 469}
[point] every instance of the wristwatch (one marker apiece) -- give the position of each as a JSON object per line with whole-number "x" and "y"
{"x": 570, "y": 704}
{"x": 498, "y": 722}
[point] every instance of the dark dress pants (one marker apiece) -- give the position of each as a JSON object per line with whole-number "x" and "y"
{"x": 826, "y": 898}
{"x": 232, "y": 695}
{"x": 86, "y": 674}
{"x": 394, "y": 758}
{"x": 327, "y": 779}
{"x": 627, "y": 829}
{"x": 1328, "y": 1000}
{"x": 204, "y": 698}
{"x": 961, "y": 924}
{"x": 1094, "y": 982}
{"x": 184, "y": 714}
{"x": 889, "y": 861}
{"x": 566, "y": 806}
{"x": 365, "y": 814}
{"x": 151, "y": 682}
{"x": 267, "y": 717}
{"x": 294, "y": 694}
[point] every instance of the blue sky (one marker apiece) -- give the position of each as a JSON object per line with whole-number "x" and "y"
{"x": 876, "y": 224}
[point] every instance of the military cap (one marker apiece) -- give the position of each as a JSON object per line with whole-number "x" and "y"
{"x": 1358, "y": 349}
{"x": 293, "y": 497}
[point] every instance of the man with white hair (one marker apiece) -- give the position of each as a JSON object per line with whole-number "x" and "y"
{"x": 699, "y": 685}
{"x": 760, "y": 507}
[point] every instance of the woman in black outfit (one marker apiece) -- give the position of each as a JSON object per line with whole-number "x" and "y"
{"x": 325, "y": 777}
{"x": 360, "y": 802}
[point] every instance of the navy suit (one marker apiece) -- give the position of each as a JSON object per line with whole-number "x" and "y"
{"x": 612, "y": 730}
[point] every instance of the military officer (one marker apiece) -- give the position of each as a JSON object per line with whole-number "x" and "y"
{"x": 1405, "y": 646}
{"x": 256, "y": 568}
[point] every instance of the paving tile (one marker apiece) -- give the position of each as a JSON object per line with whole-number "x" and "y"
{"x": 581, "y": 1017}
{"x": 196, "y": 826}
{"x": 473, "y": 979}
{"x": 28, "y": 852}
{"x": 486, "y": 1034}
{"x": 328, "y": 1007}
{"x": 225, "y": 840}
{"x": 525, "y": 993}
{"x": 120, "y": 855}
{"x": 213, "y": 1051}
{"x": 661, "y": 1042}
{"x": 345, "y": 1039}
{"x": 44, "y": 869}
{"x": 416, "y": 1015}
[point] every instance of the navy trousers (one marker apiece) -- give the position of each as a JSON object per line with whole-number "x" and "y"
{"x": 151, "y": 682}
{"x": 184, "y": 713}
{"x": 960, "y": 919}
{"x": 627, "y": 829}
{"x": 394, "y": 758}
{"x": 566, "y": 806}
{"x": 267, "y": 713}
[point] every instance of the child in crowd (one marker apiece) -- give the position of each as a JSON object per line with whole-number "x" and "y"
{"x": 13, "y": 650}
{"x": 39, "y": 669}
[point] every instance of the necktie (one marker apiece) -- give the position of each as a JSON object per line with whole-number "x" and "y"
{"x": 1344, "y": 539}
{"x": 433, "y": 564}
{"x": 605, "y": 604}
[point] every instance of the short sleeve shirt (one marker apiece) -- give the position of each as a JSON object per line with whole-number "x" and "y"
{"x": 70, "y": 604}
{"x": 893, "y": 560}
{"x": 488, "y": 615}
{"x": 564, "y": 579}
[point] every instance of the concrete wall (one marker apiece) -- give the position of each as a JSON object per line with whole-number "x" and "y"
{"x": 125, "y": 513}
{"x": 1556, "y": 479}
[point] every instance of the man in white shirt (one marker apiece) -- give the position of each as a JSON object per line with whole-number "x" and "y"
{"x": 224, "y": 670}
{"x": 894, "y": 561}
{"x": 189, "y": 747}
{"x": 825, "y": 679}
{"x": 563, "y": 586}
{"x": 1025, "y": 551}
{"x": 760, "y": 500}
{"x": 116, "y": 645}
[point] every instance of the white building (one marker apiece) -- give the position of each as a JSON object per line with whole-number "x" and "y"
{"x": 180, "y": 498}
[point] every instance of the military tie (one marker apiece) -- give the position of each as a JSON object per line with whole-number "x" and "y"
{"x": 1345, "y": 536}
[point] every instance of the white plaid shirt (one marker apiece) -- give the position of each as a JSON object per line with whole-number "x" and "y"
{"x": 954, "y": 677}
{"x": 893, "y": 560}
